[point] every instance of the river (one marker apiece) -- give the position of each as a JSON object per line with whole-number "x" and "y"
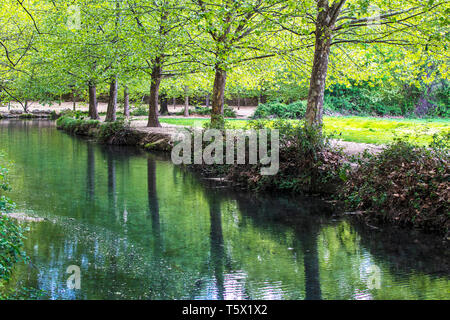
{"x": 139, "y": 227}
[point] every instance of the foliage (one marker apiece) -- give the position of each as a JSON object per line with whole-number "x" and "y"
{"x": 362, "y": 99}
{"x": 118, "y": 133}
{"x": 308, "y": 162}
{"x": 10, "y": 246}
{"x": 204, "y": 111}
{"x": 78, "y": 126}
{"x": 294, "y": 110}
{"x": 264, "y": 47}
{"x": 11, "y": 236}
{"x": 404, "y": 184}
{"x": 139, "y": 110}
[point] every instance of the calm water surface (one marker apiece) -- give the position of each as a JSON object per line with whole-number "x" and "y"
{"x": 140, "y": 228}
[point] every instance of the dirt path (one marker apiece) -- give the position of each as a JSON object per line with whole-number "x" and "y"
{"x": 242, "y": 112}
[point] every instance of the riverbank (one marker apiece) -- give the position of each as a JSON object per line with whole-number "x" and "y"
{"x": 151, "y": 139}
{"x": 417, "y": 200}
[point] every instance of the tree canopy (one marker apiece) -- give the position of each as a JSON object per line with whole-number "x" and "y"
{"x": 218, "y": 47}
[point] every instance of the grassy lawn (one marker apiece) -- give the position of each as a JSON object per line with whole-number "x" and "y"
{"x": 382, "y": 131}
{"x": 358, "y": 129}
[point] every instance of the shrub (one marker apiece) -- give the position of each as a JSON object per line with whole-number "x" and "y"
{"x": 27, "y": 116}
{"x": 11, "y": 241}
{"x": 405, "y": 184}
{"x": 204, "y": 111}
{"x": 77, "y": 126}
{"x": 308, "y": 163}
{"x": 365, "y": 99}
{"x": 10, "y": 246}
{"x": 294, "y": 110}
{"x": 139, "y": 110}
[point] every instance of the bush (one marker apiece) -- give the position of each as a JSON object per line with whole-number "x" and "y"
{"x": 12, "y": 236}
{"x": 27, "y": 116}
{"x": 365, "y": 100}
{"x": 294, "y": 110}
{"x": 308, "y": 163}
{"x": 77, "y": 126}
{"x": 405, "y": 184}
{"x": 139, "y": 110}
{"x": 10, "y": 246}
{"x": 204, "y": 111}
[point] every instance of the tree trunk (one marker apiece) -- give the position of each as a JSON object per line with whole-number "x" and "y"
{"x": 174, "y": 102}
{"x": 186, "y": 102}
{"x": 154, "y": 94}
{"x": 25, "y": 106}
{"x": 239, "y": 103}
{"x": 164, "y": 103}
{"x": 111, "y": 112}
{"x": 218, "y": 98}
{"x": 126, "y": 102}
{"x": 425, "y": 103}
{"x": 93, "y": 112}
{"x": 314, "y": 110}
{"x": 326, "y": 19}
{"x": 207, "y": 100}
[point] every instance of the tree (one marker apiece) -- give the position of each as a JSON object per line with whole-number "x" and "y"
{"x": 159, "y": 28}
{"x": 229, "y": 33}
{"x": 18, "y": 34}
{"x": 344, "y": 22}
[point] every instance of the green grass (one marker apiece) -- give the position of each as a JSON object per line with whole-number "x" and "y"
{"x": 358, "y": 129}
{"x": 382, "y": 131}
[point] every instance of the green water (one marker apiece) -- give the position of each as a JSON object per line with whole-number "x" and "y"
{"x": 140, "y": 228}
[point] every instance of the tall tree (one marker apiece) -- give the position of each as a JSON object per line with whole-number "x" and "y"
{"x": 159, "y": 28}
{"x": 340, "y": 22}
{"x": 229, "y": 33}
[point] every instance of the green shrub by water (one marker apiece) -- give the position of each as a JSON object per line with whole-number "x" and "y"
{"x": 12, "y": 236}
{"x": 77, "y": 126}
{"x": 308, "y": 162}
{"x": 405, "y": 184}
